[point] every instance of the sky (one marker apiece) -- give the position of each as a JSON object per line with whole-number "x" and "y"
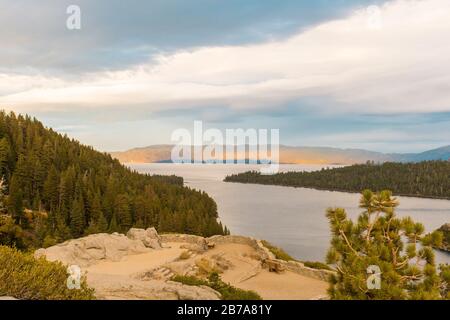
{"x": 340, "y": 73}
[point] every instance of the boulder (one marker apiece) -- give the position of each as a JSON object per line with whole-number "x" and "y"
{"x": 89, "y": 250}
{"x": 149, "y": 237}
{"x": 274, "y": 266}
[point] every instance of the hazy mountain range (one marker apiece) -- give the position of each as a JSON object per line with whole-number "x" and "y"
{"x": 294, "y": 155}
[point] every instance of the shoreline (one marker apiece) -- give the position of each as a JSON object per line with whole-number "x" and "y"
{"x": 338, "y": 190}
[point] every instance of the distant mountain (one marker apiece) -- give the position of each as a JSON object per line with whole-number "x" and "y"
{"x": 442, "y": 153}
{"x": 294, "y": 155}
{"x": 156, "y": 153}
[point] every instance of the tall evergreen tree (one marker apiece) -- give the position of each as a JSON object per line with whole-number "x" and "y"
{"x": 15, "y": 200}
{"x": 113, "y": 225}
{"x": 5, "y": 156}
{"x": 77, "y": 217}
{"x": 102, "y": 224}
{"x": 122, "y": 211}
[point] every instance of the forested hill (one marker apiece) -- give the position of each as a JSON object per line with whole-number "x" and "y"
{"x": 424, "y": 179}
{"x": 55, "y": 188}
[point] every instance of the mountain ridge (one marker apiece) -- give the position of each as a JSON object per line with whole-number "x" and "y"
{"x": 295, "y": 155}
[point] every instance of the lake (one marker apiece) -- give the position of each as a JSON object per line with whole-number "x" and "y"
{"x": 291, "y": 218}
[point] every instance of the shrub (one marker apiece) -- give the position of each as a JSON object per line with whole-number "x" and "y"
{"x": 184, "y": 255}
{"x": 278, "y": 252}
{"x": 205, "y": 267}
{"x": 317, "y": 265}
{"x": 24, "y": 277}
{"x": 227, "y": 291}
{"x": 190, "y": 280}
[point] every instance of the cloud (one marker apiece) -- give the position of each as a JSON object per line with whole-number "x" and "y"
{"x": 117, "y": 34}
{"x": 346, "y": 65}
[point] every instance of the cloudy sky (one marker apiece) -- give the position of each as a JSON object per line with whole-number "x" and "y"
{"x": 344, "y": 73}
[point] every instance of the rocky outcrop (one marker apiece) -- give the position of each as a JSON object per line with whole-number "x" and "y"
{"x": 264, "y": 255}
{"x": 89, "y": 250}
{"x": 268, "y": 258}
{"x": 149, "y": 237}
{"x": 148, "y": 276}
{"x": 113, "y": 287}
{"x": 185, "y": 238}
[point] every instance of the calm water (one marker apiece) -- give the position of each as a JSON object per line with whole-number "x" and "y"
{"x": 292, "y": 218}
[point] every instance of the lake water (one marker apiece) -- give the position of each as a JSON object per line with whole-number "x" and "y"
{"x": 292, "y": 218}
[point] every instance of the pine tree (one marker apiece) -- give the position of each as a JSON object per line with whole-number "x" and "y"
{"x": 92, "y": 228}
{"x": 62, "y": 232}
{"x": 15, "y": 200}
{"x": 3, "y": 207}
{"x": 102, "y": 224}
{"x": 375, "y": 244}
{"x": 5, "y": 156}
{"x": 77, "y": 217}
{"x": 113, "y": 225}
{"x": 96, "y": 208}
{"x": 51, "y": 192}
{"x": 24, "y": 176}
{"x": 122, "y": 212}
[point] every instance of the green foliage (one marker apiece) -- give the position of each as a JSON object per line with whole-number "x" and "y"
{"x": 49, "y": 241}
{"x": 445, "y": 280}
{"x": 190, "y": 280}
{"x": 10, "y": 233}
{"x": 84, "y": 191}
{"x": 424, "y": 179}
{"x": 15, "y": 199}
{"x": 77, "y": 217}
{"x": 317, "y": 265}
{"x": 377, "y": 238}
{"x": 445, "y": 233}
{"x": 24, "y": 277}
{"x": 184, "y": 255}
{"x": 278, "y": 252}
{"x": 227, "y": 291}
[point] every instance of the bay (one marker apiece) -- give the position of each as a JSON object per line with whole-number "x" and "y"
{"x": 291, "y": 218}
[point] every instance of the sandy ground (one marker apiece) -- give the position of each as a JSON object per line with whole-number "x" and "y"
{"x": 269, "y": 285}
{"x": 132, "y": 264}
{"x": 245, "y": 272}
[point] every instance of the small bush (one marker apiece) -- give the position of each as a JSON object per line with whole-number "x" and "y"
{"x": 205, "y": 267}
{"x": 227, "y": 291}
{"x": 184, "y": 255}
{"x": 24, "y": 277}
{"x": 317, "y": 265}
{"x": 190, "y": 280}
{"x": 278, "y": 252}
